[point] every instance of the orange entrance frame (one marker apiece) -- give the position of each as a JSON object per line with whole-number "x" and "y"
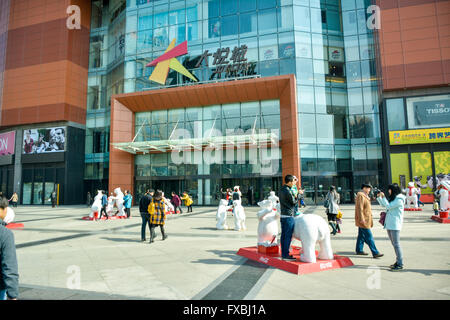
{"x": 124, "y": 107}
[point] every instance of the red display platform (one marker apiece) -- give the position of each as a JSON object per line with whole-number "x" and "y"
{"x": 413, "y": 209}
{"x": 440, "y": 220}
{"x": 297, "y": 267}
{"x": 15, "y": 226}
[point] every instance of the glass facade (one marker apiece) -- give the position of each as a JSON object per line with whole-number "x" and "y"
{"x": 326, "y": 44}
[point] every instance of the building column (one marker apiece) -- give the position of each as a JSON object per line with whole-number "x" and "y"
{"x": 18, "y": 163}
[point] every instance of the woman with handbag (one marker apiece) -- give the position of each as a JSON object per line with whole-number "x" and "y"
{"x": 157, "y": 212}
{"x": 395, "y": 205}
{"x": 332, "y": 200}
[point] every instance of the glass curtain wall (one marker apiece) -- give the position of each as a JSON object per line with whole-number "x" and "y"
{"x": 339, "y": 129}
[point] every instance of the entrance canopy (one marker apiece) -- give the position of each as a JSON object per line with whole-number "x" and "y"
{"x": 218, "y": 142}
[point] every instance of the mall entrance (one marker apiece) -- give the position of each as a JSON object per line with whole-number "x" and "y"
{"x": 317, "y": 187}
{"x": 205, "y": 190}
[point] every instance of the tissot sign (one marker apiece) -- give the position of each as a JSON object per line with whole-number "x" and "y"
{"x": 227, "y": 63}
{"x": 432, "y": 113}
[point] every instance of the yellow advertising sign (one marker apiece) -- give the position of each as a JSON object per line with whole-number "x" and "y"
{"x": 435, "y": 135}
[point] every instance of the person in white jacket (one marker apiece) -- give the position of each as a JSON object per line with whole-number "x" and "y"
{"x": 395, "y": 205}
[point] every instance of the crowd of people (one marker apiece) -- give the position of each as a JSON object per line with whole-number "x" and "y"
{"x": 392, "y": 219}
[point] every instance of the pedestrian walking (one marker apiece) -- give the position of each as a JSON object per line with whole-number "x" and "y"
{"x": 229, "y": 196}
{"x": 332, "y": 199}
{"x": 176, "y": 202}
{"x": 127, "y": 201}
{"x": 143, "y": 209}
{"x": 395, "y": 205}
{"x": 187, "y": 201}
{"x": 9, "y": 274}
{"x": 288, "y": 204}
{"x": 301, "y": 195}
{"x": 157, "y": 213}
{"x": 104, "y": 204}
{"x": 419, "y": 193}
{"x": 436, "y": 207}
{"x": 250, "y": 195}
{"x": 364, "y": 222}
{"x": 53, "y": 199}
{"x": 14, "y": 199}
{"x": 88, "y": 199}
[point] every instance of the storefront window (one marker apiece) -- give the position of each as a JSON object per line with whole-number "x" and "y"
{"x": 395, "y": 114}
{"x": 428, "y": 112}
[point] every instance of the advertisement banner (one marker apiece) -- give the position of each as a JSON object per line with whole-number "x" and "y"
{"x": 7, "y": 142}
{"x": 428, "y": 112}
{"x": 437, "y": 135}
{"x": 45, "y": 140}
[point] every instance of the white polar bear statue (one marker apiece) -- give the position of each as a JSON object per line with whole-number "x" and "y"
{"x": 309, "y": 229}
{"x": 10, "y": 215}
{"x": 268, "y": 224}
{"x": 444, "y": 204}
{"x": 119, "y": 201}
{"x": 96, "y": 205}
{"x": 169, "y": 206}
{"x": 272, "y": 197}
{"x": 221, "y": 215}
{"x": 239, "y": 216}
{"x": 411, "y": 195}
{"x": 110, "y": 206}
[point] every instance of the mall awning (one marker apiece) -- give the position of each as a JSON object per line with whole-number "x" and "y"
{"x": 218, "y": 142}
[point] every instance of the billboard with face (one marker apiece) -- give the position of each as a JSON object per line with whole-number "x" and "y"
{"x": 44, "y": 140}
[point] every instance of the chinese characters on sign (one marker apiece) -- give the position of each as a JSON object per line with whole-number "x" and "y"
{"x": 235, "y": 66}
{"x": 419, "y": 136}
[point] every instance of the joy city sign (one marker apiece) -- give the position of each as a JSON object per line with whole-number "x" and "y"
{"x": 236, "y": 65}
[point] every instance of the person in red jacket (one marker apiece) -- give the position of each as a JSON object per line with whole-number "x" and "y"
{"x": 176, "y": 201}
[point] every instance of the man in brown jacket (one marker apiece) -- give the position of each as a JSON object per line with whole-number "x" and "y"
{"x": 363, "y": 220}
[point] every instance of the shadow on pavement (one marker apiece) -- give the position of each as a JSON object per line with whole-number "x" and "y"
{"x": 121, "y": 239}
{"x": 225, "y": 257}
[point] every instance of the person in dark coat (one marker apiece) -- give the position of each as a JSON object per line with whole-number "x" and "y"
{"x": 88, "y": 199}
{"x": 176, "y": 201}
{"x": 53, "y": 198}
{"x": 143, "y": 209}
{"x": 9, "y": 274}
{"x": 250, "y": 195}
{"x": 288, "y": 204}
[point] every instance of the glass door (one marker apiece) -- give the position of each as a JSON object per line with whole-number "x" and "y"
{"x": 26, "y": 196}
{"x": 38, "y": 192}
{"x": 49, "y": 188}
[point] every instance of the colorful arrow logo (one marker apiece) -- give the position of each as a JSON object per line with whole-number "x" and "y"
{"x": 168, "y": 61}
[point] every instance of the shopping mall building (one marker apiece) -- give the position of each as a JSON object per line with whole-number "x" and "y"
{"x": 200, "y": 95}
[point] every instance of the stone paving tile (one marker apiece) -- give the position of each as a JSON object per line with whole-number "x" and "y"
{"x": 114, "y": 264}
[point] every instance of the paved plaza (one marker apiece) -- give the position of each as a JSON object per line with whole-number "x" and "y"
{"x": 63, "y": 257}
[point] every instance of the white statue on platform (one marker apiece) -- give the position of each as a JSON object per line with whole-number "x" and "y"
{"x": 97, "y": 205}
{"x": 268, "y": 223}
{"x": 169, "y": 206}
{"x": 110, "y": 206}
{"x": 119, "y": 201}
{"x": 272, "y": 197}
{"x": 9, "y": 215}
{"x": 239, "y": 216}
{"x": 309, "y": 229}
{"x": 221, "y": 215}
{"x": 444, "y": 204}
{"x": 411, "y": 196}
